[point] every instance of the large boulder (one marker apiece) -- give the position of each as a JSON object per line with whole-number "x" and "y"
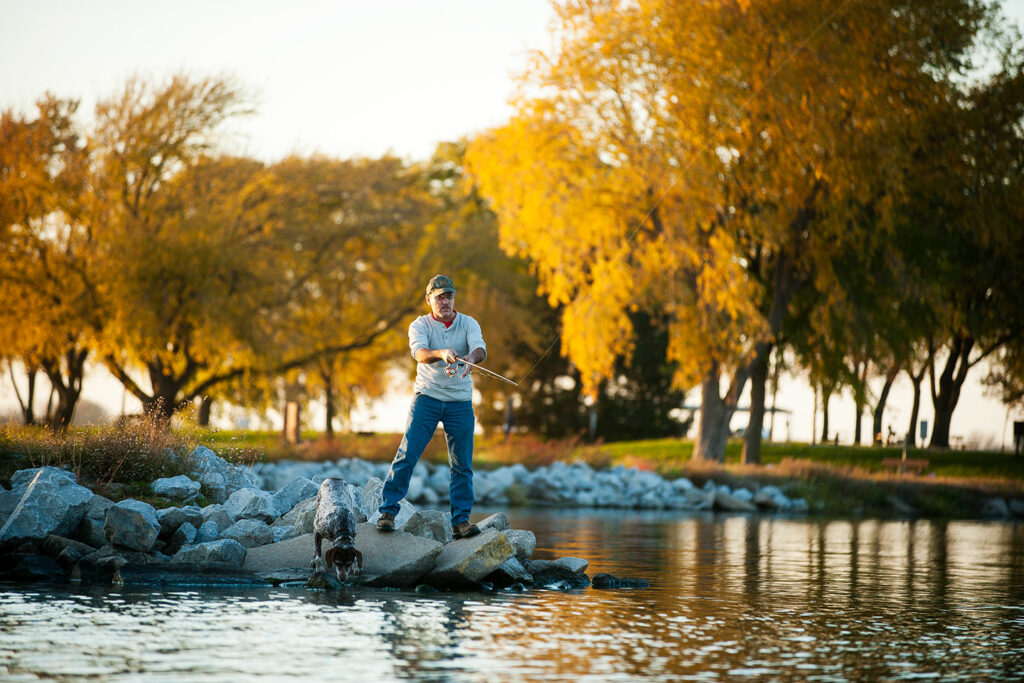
{"x": 394, "y": 559}
{"x": 465, "y": 562}
{"x": 251, "y": 503}
{"x": 295, "y": 491}
{"x": 172, "y": 518}
{"x": 132, "y": 524}
{"x": 224, "y": 551}
{"x": 176, "y": 488}
{"x": 90, "y": 529}
{"x": 730, "y": 502}
{"x": 433, "y": 524}
{"x": 48, "y": 473}
{"x": 51, "y": 503}
{"x": 298, "y": 520}
{"x": 249, "y": 532}
{"x": 220, "y": 477}
{"x": 218, "y": 515}
{"x": 184, "y": 535}
{"x": 523, "y": 542}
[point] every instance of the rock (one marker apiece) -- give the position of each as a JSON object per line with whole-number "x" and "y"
{"x": 405, "y": 512}
{"x": 224, "y": 551}
{"x": 433, "y": 524}
{"x": 185, "y": 574}
{"x": 323, "y": 581}
{"x": 30, "y": 568}
{"x": 439, "y": 481}
{"x": 51, "y": 503}
{"x": 292, "y": 553}
{"x": 295, "y": 491}
{"x": 523, "y": 542}
{"x": 99, "y": 566}
{"x": 995, "y": 508}
{"x": 608, "y": 581}
{"x": 299, "y": 519}
{"x": 132, "y": 524}
{"x": 176, "y": 488}
{"x": 250, "y": 503}
{"x": 698, "y": 499}
{"x": 1017, "y": 508}
{"x": 465, "y": 562}
{"x": 249, "y": 532}
{"x": 497, "y": 521}
{"x": 68, "y": 552}
{"x": 184, "y": 535}
{"x": 218, "y": 515}
{"x": 730, "y": 503}
{"x": 172, "y": 518}
{"x": 372, "y": 497}
{"x": 49, "y": 474}
{"x": 549, "y": 574}
{"x": 207, "y": 532}
{"x": 395, "y": 559}
{"x": 90, "y": 529}
{"x": 509, "y": 573}
{"x": 577, "y": 565}
{"x": 219, "y": 476}
{"x": 214, "y": 484}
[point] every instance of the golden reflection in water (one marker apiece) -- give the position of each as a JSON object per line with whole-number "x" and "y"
{"x": 731, "y": 597}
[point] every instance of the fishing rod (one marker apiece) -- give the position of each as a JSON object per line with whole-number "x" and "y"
{"x": 487, "y": 372}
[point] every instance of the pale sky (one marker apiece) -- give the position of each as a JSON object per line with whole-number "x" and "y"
{"x": 343, "y": 78}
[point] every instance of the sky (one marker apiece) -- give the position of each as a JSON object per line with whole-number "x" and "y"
{"x": 343, "y": 78}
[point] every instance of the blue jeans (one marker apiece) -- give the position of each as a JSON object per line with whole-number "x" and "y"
{"x": 459, "y": 422}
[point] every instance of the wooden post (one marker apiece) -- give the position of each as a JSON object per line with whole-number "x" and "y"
{"x": 291, "y": 422}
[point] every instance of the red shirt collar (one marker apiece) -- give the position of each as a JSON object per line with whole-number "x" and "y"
{"x": 446, "y": 324}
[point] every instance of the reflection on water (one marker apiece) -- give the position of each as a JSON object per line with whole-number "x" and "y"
{"x": 731, "y": 597}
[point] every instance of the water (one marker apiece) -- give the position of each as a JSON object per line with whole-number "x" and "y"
{"x": 731, "y": 598}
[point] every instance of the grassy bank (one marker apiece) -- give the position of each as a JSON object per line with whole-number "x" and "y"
{"x": 834, "y": 479}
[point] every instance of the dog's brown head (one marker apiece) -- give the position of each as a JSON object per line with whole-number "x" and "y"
{"x": 345, "y": 560}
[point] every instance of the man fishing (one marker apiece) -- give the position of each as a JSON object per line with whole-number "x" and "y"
{"x": 441, "y": 342}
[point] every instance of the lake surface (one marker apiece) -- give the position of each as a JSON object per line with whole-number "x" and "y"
{"x": 731, "y": 598}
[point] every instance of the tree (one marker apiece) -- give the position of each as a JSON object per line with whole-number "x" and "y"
{"x": 965, "y": 216}
{"x": 49, "y": 307}
{"x": 710, "y": 160}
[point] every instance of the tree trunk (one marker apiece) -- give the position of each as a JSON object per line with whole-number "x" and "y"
{"x": 946, "y": 395}
{"x": 203, "y": 414}
{"x": 826, "y": 395}
{"x": 28, "y": 415}
{"x": 713, "y": 429}
{"x": 329, "y": 407}
{"x": 915, "y": 380}
{"x": 66, "y": 376}
{"x": 883, "y": 396}
{"x": 752, "y": 437}
{"x": 861, "y": 370}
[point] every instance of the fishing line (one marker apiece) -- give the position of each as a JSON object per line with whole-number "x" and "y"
{"x": 626, "y": 247}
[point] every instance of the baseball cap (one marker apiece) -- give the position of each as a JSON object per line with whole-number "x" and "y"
{"x": 440, "y": 283}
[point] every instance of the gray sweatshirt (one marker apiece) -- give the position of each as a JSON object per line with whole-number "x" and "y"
{"x": 463, "y": 335}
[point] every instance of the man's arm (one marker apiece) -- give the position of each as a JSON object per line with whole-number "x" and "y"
{"x": 448, "y": 355}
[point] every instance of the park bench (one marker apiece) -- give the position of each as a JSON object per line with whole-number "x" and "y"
{"x": 918, "y": 465}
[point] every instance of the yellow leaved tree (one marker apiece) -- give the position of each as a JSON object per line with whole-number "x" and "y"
{"x": 709, "y": 160}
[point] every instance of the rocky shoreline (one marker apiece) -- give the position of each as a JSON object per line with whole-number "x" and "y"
{"x": 258, "y": 528}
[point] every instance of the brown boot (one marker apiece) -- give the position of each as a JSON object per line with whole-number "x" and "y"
{"x": 386, "y": 522}
{"x": 464, "y": 530}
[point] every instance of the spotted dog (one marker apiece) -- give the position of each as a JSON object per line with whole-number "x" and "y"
{"x": 336, "y": 517}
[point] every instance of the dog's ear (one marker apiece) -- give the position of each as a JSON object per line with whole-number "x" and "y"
{"x": 329, "y": 557}
{"x": 358, "y": 558}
